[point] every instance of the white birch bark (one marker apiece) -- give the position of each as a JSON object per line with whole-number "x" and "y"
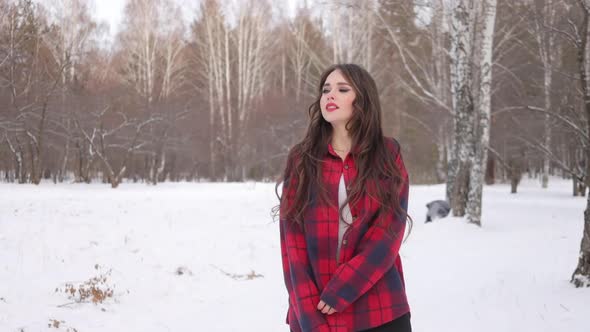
{"x": 482, "y": 132}
{"x": 253, "y": 40}
{"x": 581, "y": 275}
{"x": 140, "y": 35}
{"x": 237, "y": 60}
{"x": 462, "y": 24}
{"x": 298, "y": 56}
{"x": 545, "y": 15}
{"x": 69, "y": 47}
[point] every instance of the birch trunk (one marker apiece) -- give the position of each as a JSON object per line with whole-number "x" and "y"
{"x": 545, "y": 16}
{"x": 18, "y": 160}
{"x": 238, "y": 64}
{"x": 581, "y": 275}
{"x": 461, "y": 79}
{"x": 442, "y": 80}
{"x": 441, "y": 147}
{"x": 482, "y": 137}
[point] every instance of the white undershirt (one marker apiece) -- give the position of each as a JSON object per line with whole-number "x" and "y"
{"x": 342, "y": 225}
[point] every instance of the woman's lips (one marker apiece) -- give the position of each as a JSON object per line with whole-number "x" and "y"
{"x": 330, "y": 107}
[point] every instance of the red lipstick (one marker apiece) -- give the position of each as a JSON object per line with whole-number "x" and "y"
{"x": 330, "y": 107}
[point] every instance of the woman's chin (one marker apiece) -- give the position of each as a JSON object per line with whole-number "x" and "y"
{"x": 329, "y": 117}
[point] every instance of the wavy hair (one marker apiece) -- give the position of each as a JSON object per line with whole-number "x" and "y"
{"x": 375, "y": 162}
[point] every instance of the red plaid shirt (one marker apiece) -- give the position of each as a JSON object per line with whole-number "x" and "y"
{"x": 366, "y": 286}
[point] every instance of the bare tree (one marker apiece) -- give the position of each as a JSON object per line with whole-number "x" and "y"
{"x": 139, "y": 36}
{"x": 237, "y": 55}
{"x": 210, "y": 35}
{"x": 545, "y": 14}
{"x": 428, "y": 75}
{"x": 125, "y": 136}
{"x": 31, "y": 77}
{"x": 302, "y": 57}
{"x": 577, "y": 34}
{"x": 69, "y": 42}
{"x": 155, "y": 67}
{"x": 581, "y": 38}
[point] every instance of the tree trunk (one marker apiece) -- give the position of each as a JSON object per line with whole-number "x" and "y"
{"x": 513, "y": 185}
{"x": 441, "y": 147}
{"x": 490, "y": 177}
{"x": 461, "y": 80}
{"x": 451, "y": 166}
{"x": 581, "y": 275}
{"x": 482, "y": 132}
{"x": 515, "y": 173}
{"x": 460, "y": 191}
{"x": 64, "y": 164}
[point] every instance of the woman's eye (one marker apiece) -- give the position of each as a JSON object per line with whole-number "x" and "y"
{"x": 341, "y": 90}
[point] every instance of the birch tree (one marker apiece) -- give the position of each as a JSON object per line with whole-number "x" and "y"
{"x": 155, "y": 69}
{"x": 472, "y": 44}
{"x": 425, "y": 76}
{"x": 303, "y": 57}
{"x": 142, "y": 21}
{"x": 253, "y": 39}
{"x": 482, "y": 126}
{"x": 462, "y": 31}
{"x": 352, "y": 28}
{"x": 68, "y": 42}
{"x": 576, "y": 32}
{"x": 581, "y": 38}
{"x": 545, "y": 14}
{"x": 209, "y": 34}
{"x": 31, "y": 78}
{"x": 236, "y": 61}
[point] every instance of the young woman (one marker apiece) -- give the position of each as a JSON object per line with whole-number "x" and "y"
{"x": 343, "y": 213}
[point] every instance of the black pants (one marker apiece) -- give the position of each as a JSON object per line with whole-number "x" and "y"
{"x": 401, "y": 324}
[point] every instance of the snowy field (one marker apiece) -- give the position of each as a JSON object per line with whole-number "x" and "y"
{"x": 206, "y": 257}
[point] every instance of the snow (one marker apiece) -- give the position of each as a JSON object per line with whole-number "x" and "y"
{"x": 510, "y": 275}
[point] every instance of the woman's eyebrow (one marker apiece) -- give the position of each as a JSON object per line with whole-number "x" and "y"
{"x": 339, "y": 83}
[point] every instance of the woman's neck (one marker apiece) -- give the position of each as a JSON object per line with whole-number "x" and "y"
{"x": 341, "y": 141}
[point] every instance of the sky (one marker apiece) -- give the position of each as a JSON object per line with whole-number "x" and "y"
{"x": 111, "y": 11}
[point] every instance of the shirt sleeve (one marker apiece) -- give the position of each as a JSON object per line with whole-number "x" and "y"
{"x": 303, "y": 292}
{"x": 378, "y": 250}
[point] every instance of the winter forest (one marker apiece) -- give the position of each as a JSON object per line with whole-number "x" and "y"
{"x": 484, "y": 95}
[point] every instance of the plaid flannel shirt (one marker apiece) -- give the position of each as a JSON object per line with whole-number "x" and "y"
{"x": 366, "y": 286}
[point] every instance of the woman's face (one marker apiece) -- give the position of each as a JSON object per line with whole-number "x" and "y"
{"x": 337, "y": 98}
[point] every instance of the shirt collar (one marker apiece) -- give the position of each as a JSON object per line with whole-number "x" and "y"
{"x": 331, "y": 150}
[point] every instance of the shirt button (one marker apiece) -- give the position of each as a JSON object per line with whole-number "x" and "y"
{"x": 345, "y": 166}
{"x": 344, "y": 242}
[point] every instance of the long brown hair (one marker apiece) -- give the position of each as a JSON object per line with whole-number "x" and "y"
{"x": 374, "y": 160}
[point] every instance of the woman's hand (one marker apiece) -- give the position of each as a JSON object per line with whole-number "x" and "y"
{"x": 326, "y": 309}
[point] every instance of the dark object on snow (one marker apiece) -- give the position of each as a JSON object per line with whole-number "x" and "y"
{"x": 437, "y": 209}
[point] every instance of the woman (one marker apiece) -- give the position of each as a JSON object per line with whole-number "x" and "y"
{"x": 343, "y": 214}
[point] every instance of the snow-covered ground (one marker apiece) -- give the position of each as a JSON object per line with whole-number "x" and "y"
{"x": 511, "y": 275}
